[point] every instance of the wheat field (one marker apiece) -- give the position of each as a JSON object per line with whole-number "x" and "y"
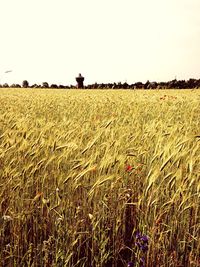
{"x": 99, "y": 178}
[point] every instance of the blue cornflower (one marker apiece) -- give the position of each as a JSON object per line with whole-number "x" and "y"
{"x": 145, "y": 238}
{"x": 138, "y": 235}
{"x": 142, "y": 241}
{"x": 144, "y": 247}
{"x": 142, "y": 244}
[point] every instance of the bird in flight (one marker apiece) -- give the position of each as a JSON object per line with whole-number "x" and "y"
{"x": 8, "y": 71}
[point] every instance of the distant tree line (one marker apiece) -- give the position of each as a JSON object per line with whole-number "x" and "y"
{"x": 174, "y": 84}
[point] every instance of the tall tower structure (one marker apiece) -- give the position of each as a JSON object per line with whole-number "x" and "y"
{"x": 80, "y": 80}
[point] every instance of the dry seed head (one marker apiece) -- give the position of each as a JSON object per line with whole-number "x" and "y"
{"x": 7, "y": 218}
{"x": 90, "y": 216}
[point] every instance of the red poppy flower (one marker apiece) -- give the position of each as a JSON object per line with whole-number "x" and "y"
{"x": 129, "y": 168}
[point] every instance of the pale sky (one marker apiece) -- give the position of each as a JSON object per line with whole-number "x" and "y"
{"x": 104, "y": 40}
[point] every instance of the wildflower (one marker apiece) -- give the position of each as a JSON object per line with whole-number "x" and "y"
{"x": 141, "y": 239}
{"x": 129, "y": 168}
{"x": 145, "y": 239}
{"x": 142, "y": 245}
{"x": 138, "y": 235}
{"x": 130, "y": 264}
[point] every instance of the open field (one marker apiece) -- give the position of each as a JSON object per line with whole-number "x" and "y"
{"x": 82, "y": 172}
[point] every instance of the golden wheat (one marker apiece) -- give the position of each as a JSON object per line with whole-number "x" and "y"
{"x": 82, "y": 171}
